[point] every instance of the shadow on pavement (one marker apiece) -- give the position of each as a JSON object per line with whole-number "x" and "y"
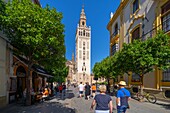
{"x": 166, "y": 106}
{"x": 46, "y": 107}
{"x": 69, "y": 95}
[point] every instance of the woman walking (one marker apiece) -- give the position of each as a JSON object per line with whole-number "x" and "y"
{"x": 103, "y": 101}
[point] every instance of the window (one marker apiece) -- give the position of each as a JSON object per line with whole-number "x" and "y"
{"x": 84, "y": 43}
{"x": 80, "y": 54}
{"x": 165, "y": 7}
{"x": 83, "y": 48}
{"x": 135, "y": 77}
{"x": 84, "y": 52}
{"x": 114, "y": 49}
{"x": 83, "y": 23}
{"x": 83, "y": 57}
{"x": 79, "y": 33}
{"x": 80, "y": 44}
{"x": 166, "y": 75}
{"x": 166, "y": 23}
{"x": 166, "y": 17}
{"x": 83, "y": 63}
{"x": 135, "y": 5}
{"x": 136, "y": 34}
{"x": 116, "y": 29}
{"x": 84, "y": 32}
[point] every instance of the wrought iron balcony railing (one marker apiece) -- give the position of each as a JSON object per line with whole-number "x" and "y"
{"x": 115, "y": 33}
{"x": 165, "y": 26}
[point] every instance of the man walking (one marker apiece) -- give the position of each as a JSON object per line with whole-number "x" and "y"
{"x": 122, "y": 98}
{"x": 81, "y": 89}
{"x": 87, "y": 91}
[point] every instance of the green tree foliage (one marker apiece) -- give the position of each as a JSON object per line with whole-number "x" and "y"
{"x": 36, "y": 33}
{"x": 143, "y": 56}
{"x": 139, "y": 57}
{"x": 97, "y": 70}
{"x": 2, "y": 11}
{"x": 160, "y": 47}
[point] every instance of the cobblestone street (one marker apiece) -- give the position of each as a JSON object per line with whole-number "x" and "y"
{"x": 72, "y": 104}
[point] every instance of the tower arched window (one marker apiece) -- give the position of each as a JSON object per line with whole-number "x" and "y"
{"x": 84, "y": 32}
{"x": 83, "y": 23}
{"x": 79, "y": 32}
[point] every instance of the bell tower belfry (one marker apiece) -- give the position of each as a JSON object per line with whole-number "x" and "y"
{"x": 83, "y": 49}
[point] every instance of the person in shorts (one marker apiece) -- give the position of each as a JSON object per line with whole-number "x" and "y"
{"x": 122, "y": 98}
{"x": 81, "y": 89}
{"x": 93, "y": 90}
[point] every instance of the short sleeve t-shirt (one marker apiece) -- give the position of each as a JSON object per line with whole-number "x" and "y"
{"x": 81, "y": 87}
{"x": 93, "y": 87}
{"x": 123, "y": 94}
{"x": 120, "y": 93}
{"x": 102, "y": 101}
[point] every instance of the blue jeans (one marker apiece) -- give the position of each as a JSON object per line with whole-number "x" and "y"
{"x": 121, "y": 109}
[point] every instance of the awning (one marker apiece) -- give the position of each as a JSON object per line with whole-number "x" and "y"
{"x": 41, "y": 71}
{"x": 36, "y": 68}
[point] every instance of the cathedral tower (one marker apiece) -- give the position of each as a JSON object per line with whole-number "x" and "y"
{"x": 83, "y": 50}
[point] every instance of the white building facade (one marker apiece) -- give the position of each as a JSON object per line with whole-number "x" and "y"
{"x": 83, "y": 50}
{"x": 141, "y": 19}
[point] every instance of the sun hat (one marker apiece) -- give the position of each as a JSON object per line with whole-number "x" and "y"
{"x": 122, "y": 83}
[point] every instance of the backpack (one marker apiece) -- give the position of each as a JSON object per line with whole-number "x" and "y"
{"x": 124, "y": 100}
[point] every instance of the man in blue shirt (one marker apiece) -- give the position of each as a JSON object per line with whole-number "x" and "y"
{"x": 122, "y": 98}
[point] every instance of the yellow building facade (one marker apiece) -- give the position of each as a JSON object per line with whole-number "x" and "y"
{"x": 135, "y": 19}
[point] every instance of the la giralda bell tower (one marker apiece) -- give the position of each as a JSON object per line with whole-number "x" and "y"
{"x": 83, "y": 50}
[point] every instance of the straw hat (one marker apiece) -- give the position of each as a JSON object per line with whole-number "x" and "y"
{"x": 122, "y": 83}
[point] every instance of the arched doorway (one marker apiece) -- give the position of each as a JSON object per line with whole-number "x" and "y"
{"x": 21, "y": 81}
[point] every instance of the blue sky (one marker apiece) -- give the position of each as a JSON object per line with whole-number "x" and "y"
{"x": 97, "y": 14}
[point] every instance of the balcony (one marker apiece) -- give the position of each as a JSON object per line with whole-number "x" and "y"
{"x": 165, "y": 26}
{"x": 116, "y": 33}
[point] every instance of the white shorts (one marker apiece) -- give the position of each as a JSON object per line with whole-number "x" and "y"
{"x": 101, "y": 111}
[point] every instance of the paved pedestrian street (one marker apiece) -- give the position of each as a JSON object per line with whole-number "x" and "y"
{"x": 72, "y": 104}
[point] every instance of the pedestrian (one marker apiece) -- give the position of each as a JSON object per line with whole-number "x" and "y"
{"x": 87, "y": 91}
{"x": 122, "y": 98}
{"x": 102, "y": 101}
{"x": 81, "y": 89}
{"x": 93, "y": 90}
{"x": 60, "y": 88}
{"x": 63, "y": 90}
